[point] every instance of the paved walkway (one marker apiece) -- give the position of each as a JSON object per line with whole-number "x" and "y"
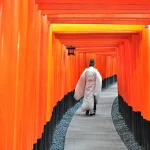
{"x": 95, "y": 132}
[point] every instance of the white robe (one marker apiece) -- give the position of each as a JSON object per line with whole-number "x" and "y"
{"x": 89, "y": 85}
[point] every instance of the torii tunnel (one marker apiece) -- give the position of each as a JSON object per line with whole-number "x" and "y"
{"x": 38, "y": 77}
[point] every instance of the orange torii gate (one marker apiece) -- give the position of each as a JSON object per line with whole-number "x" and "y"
{"x": 36, "y": 72}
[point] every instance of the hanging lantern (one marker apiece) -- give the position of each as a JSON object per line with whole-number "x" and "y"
{"x": 70, "y": 50}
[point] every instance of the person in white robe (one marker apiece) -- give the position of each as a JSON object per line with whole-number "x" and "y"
{"x": 89, "y": 87}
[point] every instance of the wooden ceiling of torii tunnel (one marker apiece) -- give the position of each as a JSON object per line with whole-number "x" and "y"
{"x": 102, "y": 53}
{"x": 89, "y": 35}
{"x": 83, "y": 43}
{"x": 96, "y": 11}
{"x": 100, "y": 50}
{"x": 95, "y": 39}
{"x": 94, "y": 42}
{"x": 97, "y": 49}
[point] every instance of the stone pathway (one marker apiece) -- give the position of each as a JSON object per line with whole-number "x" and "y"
{"x": 95, "y": 132}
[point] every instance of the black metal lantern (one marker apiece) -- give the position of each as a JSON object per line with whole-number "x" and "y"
{"x": 70, "y": 50}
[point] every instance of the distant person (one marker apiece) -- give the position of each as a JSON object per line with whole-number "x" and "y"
{"x": 89, "y": 85}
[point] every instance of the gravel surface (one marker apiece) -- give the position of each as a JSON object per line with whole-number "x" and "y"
{"x": 61, "y": 129}
{"x": 122, "y": 129}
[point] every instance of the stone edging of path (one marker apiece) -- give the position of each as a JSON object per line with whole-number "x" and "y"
{"x": 61, "y": 129}
{"x": 122, "y": 129}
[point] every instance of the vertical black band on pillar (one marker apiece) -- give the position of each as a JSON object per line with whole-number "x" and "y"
{"x": 139, "y": 127}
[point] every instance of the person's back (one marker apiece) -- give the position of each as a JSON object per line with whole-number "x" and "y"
{"x": 89, "y": 86}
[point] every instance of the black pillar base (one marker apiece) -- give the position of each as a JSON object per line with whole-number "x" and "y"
{"x": 139, "y": 127}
